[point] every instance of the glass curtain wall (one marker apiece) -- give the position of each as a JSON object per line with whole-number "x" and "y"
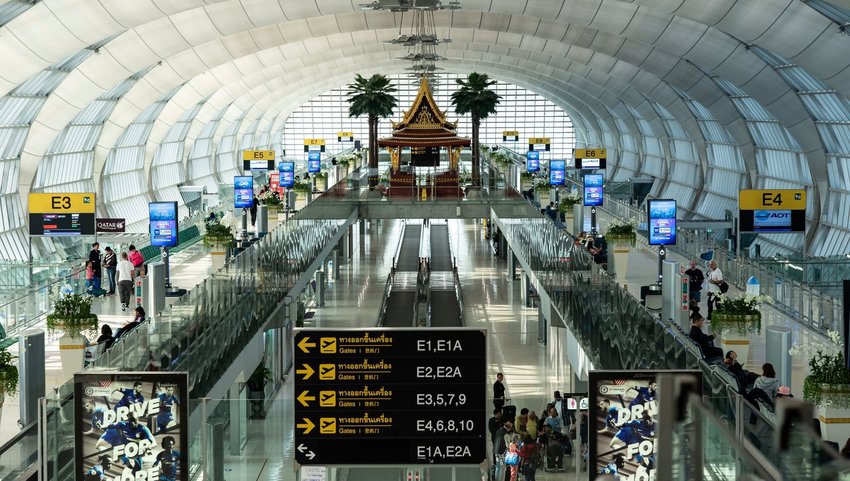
{"x": 520, "y": 109}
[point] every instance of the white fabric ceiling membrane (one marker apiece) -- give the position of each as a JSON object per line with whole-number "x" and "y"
{"x": 266, "y": 57}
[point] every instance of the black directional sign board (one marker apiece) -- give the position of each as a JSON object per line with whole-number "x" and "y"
{"x": 390, "y": 396}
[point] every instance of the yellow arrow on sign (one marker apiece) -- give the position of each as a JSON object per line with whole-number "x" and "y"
{"x": 304, "y": 397}
{"x": 305, "y": 345}
{"x": 307, "y": 371}
{"x": 307, "y": 426}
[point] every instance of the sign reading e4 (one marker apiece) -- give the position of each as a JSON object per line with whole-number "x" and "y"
{"x": 774, "y": 199}
{"x": 58, "y": 203}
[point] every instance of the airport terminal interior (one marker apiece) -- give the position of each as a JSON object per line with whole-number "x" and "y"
{"x": 424, "y": 240}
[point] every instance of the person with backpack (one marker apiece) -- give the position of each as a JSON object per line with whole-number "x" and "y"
{"x": 137, "y": 259}
{"x": 530, "y": 457}
{"x": 109, "y": 263}
{"x": 716, "y": 286}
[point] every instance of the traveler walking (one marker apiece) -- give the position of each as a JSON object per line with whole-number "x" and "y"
{"x": 254, "y": 210}
{"x": 695, "y": 280}
{"x": 715, "y": 278}
{"x": 137, "y": 260}
{"x": 125, "y": 276}
{"x": 94, "y": 258}
{"x": 109, "y": 263}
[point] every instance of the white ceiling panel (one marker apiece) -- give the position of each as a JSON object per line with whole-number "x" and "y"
{"x": 613, "y": 16}
{"x": 748, "y": 20}
{"x": 796, "y": 29}
{"x": 705, "y": 12}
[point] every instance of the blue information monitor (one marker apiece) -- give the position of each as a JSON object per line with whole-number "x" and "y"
{"x": 163, "y": 217}
{"x": 314, "y": 161}
{"x": 556, "y": 172}
{"x": 662, "y": 222}
{"x": 243, "y": 191}
{"x": 533, "y": 163}
{"x": 593, "y": 189}
{"x": 287, "y": 174}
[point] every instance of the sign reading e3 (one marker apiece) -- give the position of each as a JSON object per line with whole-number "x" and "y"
{"x": 56, "y": 203}
{"x": 773, "y": 199}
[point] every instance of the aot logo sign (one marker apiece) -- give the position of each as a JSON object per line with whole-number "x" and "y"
{"x": 771, "y": 218}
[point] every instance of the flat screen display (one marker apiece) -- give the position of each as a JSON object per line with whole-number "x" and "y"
{"x": 556, "y": 172}
{"x": 163, "y": 218}
{"x": 593, "y": 189}
{"x": 287, "y": 174}
{"x": 533, "y": 163}
{"x": 61, "y": 224}
{"x": 662, "y": 222}
{"x": 257, "y": 164}
{"x": 510, "y": 138}
{"x": 314, "y": 161}
{"x": 243, "y": 191}
{"x": 769, "y": 220}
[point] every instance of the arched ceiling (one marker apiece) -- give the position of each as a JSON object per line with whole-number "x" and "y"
{"x": 264, "y": 58}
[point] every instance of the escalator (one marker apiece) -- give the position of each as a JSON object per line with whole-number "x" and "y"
{"x": 400, "y": 301}
{"x": 445, "y": 307}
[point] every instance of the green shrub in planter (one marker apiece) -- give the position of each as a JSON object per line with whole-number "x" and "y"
{"x": 8, "y": 375}
{"x": 72, "y": 315}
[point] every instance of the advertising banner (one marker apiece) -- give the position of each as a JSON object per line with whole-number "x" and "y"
{"x": 163, "y": 218}
{"x": 243, "y": 191}
{"x": 624, "y": 410}
{"x": 287, "y": 174}
{"x": 533, "y": 162}
{"x": 662, "y": 222}
{"x": 131, "y": 425}
{"x": 556, "y": 172}
{"x": 274, "y": 181}
{"x": 593, "y": 189}
{"x": 314, "y": 161}
{"x": 111, "y": 225}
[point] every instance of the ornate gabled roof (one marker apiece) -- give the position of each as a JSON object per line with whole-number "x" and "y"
{"x": 424, "y": 113}
{"x": 424, "y": 124}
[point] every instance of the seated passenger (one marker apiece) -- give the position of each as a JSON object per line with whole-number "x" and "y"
{"x": 705, "y": 341}
{"x": 106, "y": 336}
{"x": 745, "y": 378}
{"x": 767, "y": 382}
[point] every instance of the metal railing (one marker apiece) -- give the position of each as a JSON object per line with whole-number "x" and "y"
{"x": 809, "y": 306}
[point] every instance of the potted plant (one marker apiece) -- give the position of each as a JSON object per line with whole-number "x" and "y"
{"x": 321, "y": 181}
{"x": 302, "y": 188}
{"x": 272, "y": 200}
{"x": 8, "y": 377}
{"x": 218, "y": 236}
{"x": 620, "y": 238}
{"x": 828, "y": 385}
{"x": 257, "y": 390}
{"x": 72, "y": 315}
{"x": 568, "y": 202}
{"x": 735, "y": 319}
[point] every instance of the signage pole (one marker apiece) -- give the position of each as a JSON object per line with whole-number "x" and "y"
{"x": 738, "y": 236}
{"x": 166, "y": 261}
{"x": 593, "y": 220}
{"x": 662, "y": 255}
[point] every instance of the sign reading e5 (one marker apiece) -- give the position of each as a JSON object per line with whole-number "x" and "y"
{"x": 54, "y": 203}
{"x": 774, "y": 199}
{"x": 258, "y": 155}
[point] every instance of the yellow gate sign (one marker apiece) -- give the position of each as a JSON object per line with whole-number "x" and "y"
{"x": 314, "y": 141}
{"x": 591, "y": 154}
{"x": 258, "y": 155}
{"x": 345, "y": 136}
{"x": 538, "y": 140}
{"x": 772, "y": 199}
{"x": 62, "y": 203}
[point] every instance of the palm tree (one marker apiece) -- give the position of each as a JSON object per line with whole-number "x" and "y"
{"x": 474, "y": 97}
{"x": 373, "y": 97}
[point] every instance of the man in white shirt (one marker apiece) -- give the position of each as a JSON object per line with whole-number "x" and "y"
{"x": 124, "y": 275}
{"x": 715, "y": 278}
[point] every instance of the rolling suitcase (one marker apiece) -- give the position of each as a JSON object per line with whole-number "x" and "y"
{"x": 509, "y": 412}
